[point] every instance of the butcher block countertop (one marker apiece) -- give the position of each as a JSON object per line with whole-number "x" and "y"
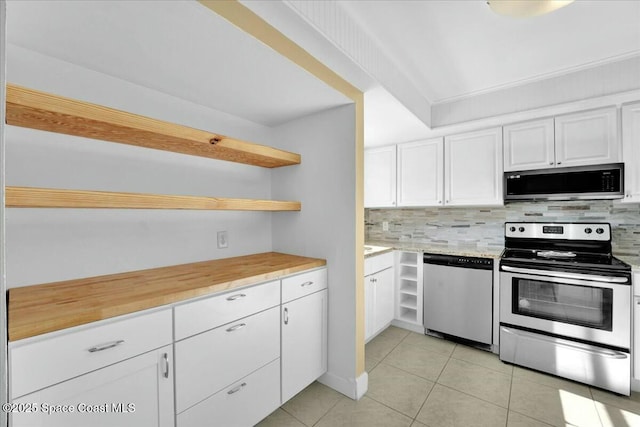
{"x": 38, "y": 309}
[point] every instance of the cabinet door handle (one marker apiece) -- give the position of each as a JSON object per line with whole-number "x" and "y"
{"x": 236, "y": 327}
{"x": 309, "y": 283}
{"x": 559, "y": 163}
{"x": 165, "y": 357}
{"x": 236, "y": 389}
{"x": 105, "y": 346}
{"x": 551, "y": 163}
{"x": 235, "y": 297}
{"x": 286, "y": 316}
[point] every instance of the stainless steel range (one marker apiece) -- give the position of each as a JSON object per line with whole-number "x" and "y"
{"x": 565, "y": 303}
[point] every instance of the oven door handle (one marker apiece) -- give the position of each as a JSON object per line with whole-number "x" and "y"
{"x": 590, "y": 277}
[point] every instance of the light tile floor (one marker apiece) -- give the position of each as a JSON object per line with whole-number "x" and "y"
{"x": 417, "y": 381}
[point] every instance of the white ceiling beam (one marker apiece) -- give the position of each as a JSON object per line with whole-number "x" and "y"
{"x": 328, "y": 32}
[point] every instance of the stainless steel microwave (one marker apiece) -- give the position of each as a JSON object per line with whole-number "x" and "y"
{"x": 572, "y": 183}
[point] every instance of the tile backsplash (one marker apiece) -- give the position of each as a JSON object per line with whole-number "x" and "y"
{"x": 483, "y": 227}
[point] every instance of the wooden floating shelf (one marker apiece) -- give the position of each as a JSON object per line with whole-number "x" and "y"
{"x": 44, "y": 111}
{"x": 29, "y": 197}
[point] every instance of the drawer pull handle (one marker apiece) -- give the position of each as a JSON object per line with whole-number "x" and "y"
{"x": 235, "y": 297}
{"x": 105, "y": 346}
{"x": 236, "y": 389}
{"x": 165, "y": 356}
{"x": 309, "y": 283}
{"x": 236, "y": 327}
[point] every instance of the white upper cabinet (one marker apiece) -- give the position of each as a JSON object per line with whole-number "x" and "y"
{"x": 380, "y": 177}
{"x": 578, "y": 139}
{"x": 420, "y": 173}
{"x": 631, "y": 151}
{"x": 473, "y": 168}
{"x": 587, "y": 138}
{"x": 529, "y": 145}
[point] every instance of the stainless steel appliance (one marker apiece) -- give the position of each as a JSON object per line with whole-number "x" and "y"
{"x": 565, "y": 303}
{"x": 458, "y": 296}
{"x": 581, "y": 182}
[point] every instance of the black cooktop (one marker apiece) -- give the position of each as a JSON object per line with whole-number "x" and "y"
{"x": 564, "y": 258}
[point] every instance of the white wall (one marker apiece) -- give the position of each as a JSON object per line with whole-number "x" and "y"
{"x": 325, "y": 182}
{"x": 45, "y": 245}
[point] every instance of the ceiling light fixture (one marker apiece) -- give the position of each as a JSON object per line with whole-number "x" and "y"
{"x": 526, "y": 8}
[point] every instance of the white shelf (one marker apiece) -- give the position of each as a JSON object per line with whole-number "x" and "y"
{"x": 408, "y": 315}
{"x": 408, "y": 258}
{"x": 409, "y": 288}
{"x": 406, "y": 264}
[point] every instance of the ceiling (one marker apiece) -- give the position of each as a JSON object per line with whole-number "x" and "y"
{"x": 177, "y": 47}
{"x": 456, "y": 49}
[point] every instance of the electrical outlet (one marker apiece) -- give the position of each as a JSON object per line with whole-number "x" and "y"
{"x": 385, "y": 225}
{"x": 223, "y": 241}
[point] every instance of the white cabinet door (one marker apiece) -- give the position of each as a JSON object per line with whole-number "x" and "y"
{"x": 384, "y": 299}
{"x": 631, "y": 151}
{"x": 304, "y": 342}
{"x": 529, "y": 145}
{"x": 380, "y": 177}
{"x": 137, "y": 392}
{"x": 379, "y": 302}
{"x": 473, "y": 168}
{"x": 369, "y": 306}
{"x": 420, "y": 173}
{"x": 587, "y": 138}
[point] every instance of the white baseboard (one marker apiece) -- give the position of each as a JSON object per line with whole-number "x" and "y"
{"x": 353, "y": 388}
{"x": 409, "y": 326}
{"x": 635, "y": 384}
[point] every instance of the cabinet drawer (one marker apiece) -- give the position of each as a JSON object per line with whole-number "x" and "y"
{"x": 244, "y": 403}
{"x": 378, "y": 263}
{"x": 202, "y": 315}
{"x": 42, "y": 362}
{"x": 303, "y": 284}
{"x": 210, "y": 361}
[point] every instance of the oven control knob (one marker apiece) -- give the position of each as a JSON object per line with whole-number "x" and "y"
{"x": 588, "y": 230}
{"x": 599, "y": 230}
{"x": 521, "y": 229}
{"x": 512, "y": 229}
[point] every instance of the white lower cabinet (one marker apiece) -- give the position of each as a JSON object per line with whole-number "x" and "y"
{"x": 379, "y": 302}
{"x": 379, "y": 294}
{"x": 242, "y": 404}
{"x": 137, "y": 392}
{"x": 229, "y": 371}
{"x": 635, "y": 345}
{"x": 636, "y": 335}
{"x": 208, "y": 362}
{"x": 304, "y": 339}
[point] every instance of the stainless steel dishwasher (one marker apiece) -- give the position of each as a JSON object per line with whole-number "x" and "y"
{"x": 458, "y": 296}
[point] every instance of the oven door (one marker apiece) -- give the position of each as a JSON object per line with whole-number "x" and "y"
{"x": 589, "y": 308}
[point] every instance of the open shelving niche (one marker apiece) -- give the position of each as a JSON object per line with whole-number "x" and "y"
{"x": 44, "y": 111}
{"x": 409, "y": 290}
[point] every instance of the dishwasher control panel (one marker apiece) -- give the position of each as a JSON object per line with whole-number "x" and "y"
{"x": 458, "y": 261}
